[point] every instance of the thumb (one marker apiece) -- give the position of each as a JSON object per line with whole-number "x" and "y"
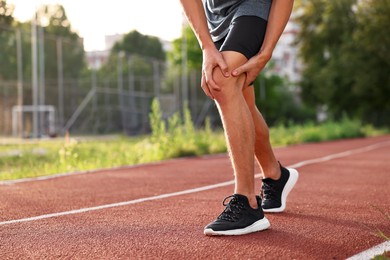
{"x": 238, "y": 71}
{"x": 224, "y": 68}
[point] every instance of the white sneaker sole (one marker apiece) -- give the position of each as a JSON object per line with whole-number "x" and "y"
{"x": 286, "y": 190}
{"x": 259, "y": 225}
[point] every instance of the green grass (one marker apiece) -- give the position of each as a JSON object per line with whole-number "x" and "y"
{"x": 178, "y": 138}
{"x": 330, "y": 130}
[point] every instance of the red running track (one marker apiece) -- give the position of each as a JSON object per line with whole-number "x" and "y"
{"x": 331, "y": 214}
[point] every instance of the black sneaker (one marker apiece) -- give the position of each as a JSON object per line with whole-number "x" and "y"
{"x": 275, "y": 192}
{"x": 238, "y": 218}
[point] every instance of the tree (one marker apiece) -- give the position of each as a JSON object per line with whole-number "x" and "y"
{"x": 58, "y": 34}
{"x": 138, "y": 53}
{"x": 325, "y": 27}
{"x": 7, "y": 41}
{"x": 370, "y": 57}
{"x": 143, "y": 45}
{"x": 188, "y": 44}
{"x": 277, "y": 102}
{"x": 6, "y": 14}
{"x": 52, "y": 20}
{"x": 345, "y": 70}
{"x": 194, "y": 53}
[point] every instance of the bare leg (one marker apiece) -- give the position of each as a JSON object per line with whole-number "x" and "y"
{"x": 238, "y": 126}
{"x": 263, "y": 150}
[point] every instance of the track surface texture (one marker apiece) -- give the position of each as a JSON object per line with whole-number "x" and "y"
{"x": 332, "y": 213}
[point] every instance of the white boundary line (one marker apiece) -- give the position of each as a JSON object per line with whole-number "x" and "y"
{"x": 209, "y": 187}
{"x": 119, "y": 204}
{"x": 371, "y": 252}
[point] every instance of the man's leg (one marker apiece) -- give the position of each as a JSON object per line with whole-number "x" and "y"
{"x": 278, "y": 181}
{"x": 263, "y": 149}
{"x": 238, "y": 126}
{"x": 243, "y": 213}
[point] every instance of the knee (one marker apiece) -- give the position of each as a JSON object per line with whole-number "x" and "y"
{"x": 231, "y": 87}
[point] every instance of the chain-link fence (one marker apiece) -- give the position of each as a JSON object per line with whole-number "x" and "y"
{"x": 45, "y": 91}
{"x": 106, "y": 106}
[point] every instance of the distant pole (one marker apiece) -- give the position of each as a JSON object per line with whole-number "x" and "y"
{"x": 120, "y": 88}
{"x": 107, "y": 104}
{"x": 133, "y": 114}
{"x": 60, "y": 81}
{"x": 94, "y": 100}
{"x": 34, "y": 53}
{"x": 156, "y": 78}
{"x": 19, "y": 56}
{"x": 184, "y": 71}
{"x": 41, "y": 74}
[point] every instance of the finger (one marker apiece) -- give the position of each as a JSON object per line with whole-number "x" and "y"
{"x": 210, "y": 82}
{"x": 238, "y": 71}
{"x": 224, "y": 68}
{"x": 205, "y": 88}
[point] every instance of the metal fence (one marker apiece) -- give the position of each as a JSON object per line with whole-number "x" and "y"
{"x": 107, "y": 106}
{"x": 34, "y": 105}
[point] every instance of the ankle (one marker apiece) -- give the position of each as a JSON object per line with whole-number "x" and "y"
{"x": 252, "y": 201}
{"x": 275, "y": 173}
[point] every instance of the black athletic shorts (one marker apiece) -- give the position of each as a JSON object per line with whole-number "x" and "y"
{"x": 246, "y": 36}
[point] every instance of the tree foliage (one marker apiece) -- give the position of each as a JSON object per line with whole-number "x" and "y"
{"x": 7, "y": 37}
{"x": 143, "y": 45}
{"x": 6, "y": 13}
{"x": 54, "y": 24}
{"x": 344, "y": 46}
{"x": 277, "y": 101}
{"x": 137, "y": 54}
{"x": 371, "y": 60}
{"x": 58, "y": 32}
{"x": 194, "y": 53}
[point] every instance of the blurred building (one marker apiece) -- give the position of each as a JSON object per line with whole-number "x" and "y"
{"x": 110, "y": 40}
{"x": 95, "y": 59}
{"x": 285, "y": 56}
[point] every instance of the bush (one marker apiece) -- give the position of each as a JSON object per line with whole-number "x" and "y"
{"x": 180, "y": 138}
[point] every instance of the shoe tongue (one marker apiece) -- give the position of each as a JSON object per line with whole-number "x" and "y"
{"x": 241, "y": 197}
{"x": 269, "y": 180}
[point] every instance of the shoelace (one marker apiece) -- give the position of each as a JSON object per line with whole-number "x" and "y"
{"x": 232, "y": 210}
{"x": 268, "y": 191}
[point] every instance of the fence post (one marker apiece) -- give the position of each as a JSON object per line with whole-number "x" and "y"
{"x": 156, "y": 78}
{"x": 133, "y": 112}
{"x": 34, "y": 59}
{"x": 120, "y": 88}
{"x": 19, "y": 57}
{"x": 184, "y": 71}
{"x": 60, "y": 72}
{"x": 41, "y": 76}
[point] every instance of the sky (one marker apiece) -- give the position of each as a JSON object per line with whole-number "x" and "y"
{"x": 93, "y": 19}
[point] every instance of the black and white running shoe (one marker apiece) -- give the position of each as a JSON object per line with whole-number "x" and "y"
{"x": 238, "y": 218}
{"x": 275, "y": 192}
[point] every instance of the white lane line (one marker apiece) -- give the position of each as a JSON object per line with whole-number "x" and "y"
{"x": 371, "y": 252}
{"x": 340, "y": 155}
{"x": 119, "y": 204}
{"x": 204, "y": 188}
